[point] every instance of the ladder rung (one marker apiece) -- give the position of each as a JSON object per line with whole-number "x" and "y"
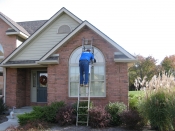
{"x": 82, "y": 114}
{"x": 82, "y": 121}
{"x": 83, "y": 100}
{"x": 83, "y": 107}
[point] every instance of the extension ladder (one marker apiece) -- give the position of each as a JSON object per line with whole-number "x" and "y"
{"x": 85, "y": 97}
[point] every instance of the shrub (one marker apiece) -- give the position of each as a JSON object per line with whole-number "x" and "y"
{"x": 158, "y": 105}
{"x": 114, "y": 109}
{"x": 134, "y": 101}
{"x": 27, "y": 117}
{"x": 82, "y": 111}
{"x": 38, "y": 111}
{"x": 131, "y": 119}
{"x": 36, "y": 125}
{"x": 3, "y": 107}
{"x": 158, "y": 110}
{"x": 46, "y": 113}
{"x": 99, "y": 117}
{"x": 66, "y": 116}
{"x": 51, "y": 110}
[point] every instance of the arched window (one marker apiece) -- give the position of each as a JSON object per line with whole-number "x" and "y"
{"x": 1, "y": 53}
{"x": 64, "y": 29}
{"x": 98, "y": 86}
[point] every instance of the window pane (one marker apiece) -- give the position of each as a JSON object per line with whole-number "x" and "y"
{"x": 34, "y": 79}
{"x": 98, "y": 89}
{"x": 74, "y": 89}
{"x": 98, "y": 73}
{"x": 74, "y": 73}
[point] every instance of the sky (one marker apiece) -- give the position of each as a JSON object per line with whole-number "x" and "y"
{"x": 141, "y": 27}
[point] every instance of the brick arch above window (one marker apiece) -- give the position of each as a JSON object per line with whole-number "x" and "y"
{"x": 64, "y": 29}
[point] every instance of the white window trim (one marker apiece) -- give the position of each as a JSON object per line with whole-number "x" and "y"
{"x": 70, "y": 65}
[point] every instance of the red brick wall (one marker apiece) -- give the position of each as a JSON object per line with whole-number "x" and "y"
{"x": 21, "y": 87}
{"x": 116, "y": 73}
{"x": 8, "y": 42}
{"x": 16, "y": 87}
{"x": 18, "y": 80}
{"x": 1, "y": 85}
{"x": 11, "y": 87}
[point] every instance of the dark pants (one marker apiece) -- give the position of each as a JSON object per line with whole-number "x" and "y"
{"x": 84, "y": 68}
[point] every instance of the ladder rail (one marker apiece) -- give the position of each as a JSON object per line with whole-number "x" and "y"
{"x": 89, "y": 87}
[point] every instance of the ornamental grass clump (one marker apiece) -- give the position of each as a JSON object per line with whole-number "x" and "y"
{"x": 158, "y": 105}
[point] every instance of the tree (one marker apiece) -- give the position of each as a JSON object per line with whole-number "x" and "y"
{"x": 168, "y": 64}
{"x": 144, "y": 66}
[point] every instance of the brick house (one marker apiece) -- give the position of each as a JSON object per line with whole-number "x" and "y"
{"x": 52, "y": 48}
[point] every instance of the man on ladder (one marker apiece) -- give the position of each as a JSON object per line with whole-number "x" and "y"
{"x": 87, "y": 58}
{"x": 84, "y": 62}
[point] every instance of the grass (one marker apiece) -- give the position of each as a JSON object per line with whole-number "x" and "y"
{"x": 136, "y": 93}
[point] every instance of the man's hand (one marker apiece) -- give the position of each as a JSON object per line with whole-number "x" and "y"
{"x": 94, "y": 60}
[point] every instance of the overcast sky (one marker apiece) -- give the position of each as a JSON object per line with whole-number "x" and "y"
{"x": 145, "y": 27}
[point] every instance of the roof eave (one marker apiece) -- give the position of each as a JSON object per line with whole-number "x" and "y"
{"x": 22, "y": 65}
{"x": 21, "y": 34}
{"x": 125, "y": 60}
{"x": 46, "y": 62}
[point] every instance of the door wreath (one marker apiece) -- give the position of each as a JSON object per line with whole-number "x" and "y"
{"x": 43, "y": 80}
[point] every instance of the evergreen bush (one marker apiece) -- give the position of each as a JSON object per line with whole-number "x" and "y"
{"x": 51, "y": 110}
{"x": 46, "y": 113}
{"x": 3, "y": 107}
{"x": 114, "y": 109}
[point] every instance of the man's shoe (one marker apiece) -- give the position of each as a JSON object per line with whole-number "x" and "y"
{"x": 86, "y": 85}
{"x": 81, "y": 85}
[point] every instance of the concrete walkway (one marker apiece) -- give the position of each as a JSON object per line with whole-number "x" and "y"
{"x": 14, "y": 122}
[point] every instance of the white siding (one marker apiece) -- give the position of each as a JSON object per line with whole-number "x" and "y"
{"x": 46, "y": 40}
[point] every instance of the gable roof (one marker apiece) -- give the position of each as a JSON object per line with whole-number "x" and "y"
{"x": 32, "y": 26}
{"x": 13, "y": 24}
{"x": 128, "y": 58}
{"x": 46, "y": 24}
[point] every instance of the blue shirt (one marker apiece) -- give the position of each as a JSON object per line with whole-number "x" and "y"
{"x": 86, "y": 56}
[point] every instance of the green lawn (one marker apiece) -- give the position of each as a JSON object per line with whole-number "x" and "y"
{"x": 135, "y": 93}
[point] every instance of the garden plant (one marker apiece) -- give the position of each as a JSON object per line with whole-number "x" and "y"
{"x": 158, "y": 104}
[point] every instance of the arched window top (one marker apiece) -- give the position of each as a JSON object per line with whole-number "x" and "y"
{"x": 64, "y": 29}
{"x": 74, "y": 58}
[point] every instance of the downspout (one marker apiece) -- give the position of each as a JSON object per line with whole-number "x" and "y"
{"x": 4, "y": 77}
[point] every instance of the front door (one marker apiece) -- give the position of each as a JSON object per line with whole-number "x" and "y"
{"x": 41, "y": 86}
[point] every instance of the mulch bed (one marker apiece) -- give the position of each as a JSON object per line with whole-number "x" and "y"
{"x": 3, "y": 118}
